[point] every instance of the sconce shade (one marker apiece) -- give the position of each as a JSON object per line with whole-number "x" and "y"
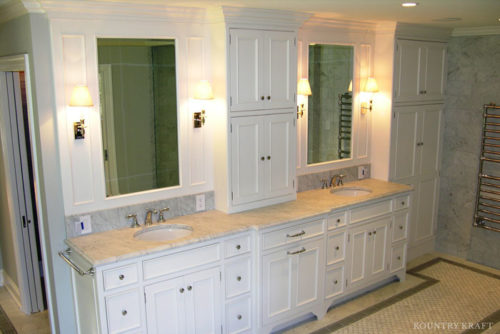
{"x": 203, "y": 91}
{"x": 303, "y": 87}
{"x": 371, "y": 85}
{"x": 80, "y": 97}
{"x": 349, "y": 89}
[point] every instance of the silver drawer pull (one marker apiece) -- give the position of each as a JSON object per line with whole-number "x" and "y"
{"x": 302, "y": 250}
{"x": 124, "y": 312}
{"x": 121, "y": 277}
{"x": 296, "y": 234}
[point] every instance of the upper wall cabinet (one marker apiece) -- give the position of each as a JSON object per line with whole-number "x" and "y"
{"x": 263, "y": 69}
{"x": 419, "y": 72}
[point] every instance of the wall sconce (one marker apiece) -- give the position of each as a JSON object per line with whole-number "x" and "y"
{"x": 203, "y": 92}
{"x": 370, "y": 87}
{"x": 80, "y": 97}
{"x": 303, "y": 88}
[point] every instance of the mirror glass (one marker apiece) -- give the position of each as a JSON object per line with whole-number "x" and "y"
{"x": 137, "y": 86}
{"x": 330, "y": 105}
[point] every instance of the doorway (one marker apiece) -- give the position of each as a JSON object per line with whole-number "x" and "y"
{"x": 21, "y": 194}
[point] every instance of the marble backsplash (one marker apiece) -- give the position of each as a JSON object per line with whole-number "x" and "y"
{"x": 111, "y": 219}
{"x": 313, "y": 181}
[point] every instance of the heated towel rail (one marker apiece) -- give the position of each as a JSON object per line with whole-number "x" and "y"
{"x": 487, "y": 213}
{"x": 345, "y": 125}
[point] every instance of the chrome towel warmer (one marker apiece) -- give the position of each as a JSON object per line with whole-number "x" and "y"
{"x": 487, "y": 212}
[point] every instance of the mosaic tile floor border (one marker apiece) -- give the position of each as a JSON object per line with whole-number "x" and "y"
{"x": 428, "y": 282}
{"x": 6, "y": 327}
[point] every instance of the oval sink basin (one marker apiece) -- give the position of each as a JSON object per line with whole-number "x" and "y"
{"x": 351, "y": 191}
{"x": 163, "y": 232}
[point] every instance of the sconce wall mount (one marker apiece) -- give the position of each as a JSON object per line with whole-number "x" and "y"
{"x": 80, "y": 97}
{"x": 371, "y": 87}
{"x": 203, "y": 92}
{"x": 303, "y": 88}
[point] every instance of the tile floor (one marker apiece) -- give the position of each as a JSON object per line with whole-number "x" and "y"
{"x": 39, "y": 324}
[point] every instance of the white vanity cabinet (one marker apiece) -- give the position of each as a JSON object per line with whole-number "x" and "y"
{"x": 419, "y": 71}
{"x": 263, "y": 157}
{"x": 336, "y": 248}
{"x": 292, "y": 271}
{"x": 263, "y": 69}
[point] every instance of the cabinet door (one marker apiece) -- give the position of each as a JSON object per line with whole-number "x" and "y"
{"x": 203, "y": 304}
{"x": 405, "y": 137}
{"x": 279, "y": 71}
{"x": 378, "y": 248}
{"x": 430, "y": 129}
{"x": 165, "y": 311}
{"x": 307, "y": 273}
{"x": 358, "y": 239}
{"x": 424, "y": 213}
{"x": 407, "y": 71}
{"x": 247, "y": 159}
{"x": 280, "y": 154}
{"x": 435, "y": 76}
{"x": 246, "y": 53}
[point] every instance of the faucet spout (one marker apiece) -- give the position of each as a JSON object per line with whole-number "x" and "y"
{"x": 337, "y": 180}
{"x": 149, "y": 217}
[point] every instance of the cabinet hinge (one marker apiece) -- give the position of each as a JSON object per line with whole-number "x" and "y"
{"x": 221, "y": 331}
{"x": 394, "y": 115}
{"x": 231, "y": 127}
{"x": 232, "y": 195}
{"x": 144, "y": 298}
{"x": 220, "y": 276}
{"x": 229, "y": 38}
{"x": 295, "y": 97}
{"x": 348, "y": 238}
{"x": 295, "y": 41}
{"x": 293, "y": 183}
{"x": 294, "y": 122}
{"x": 346, "y": 283}
{"x": 388, "y": 266}
{"x": 230, "y": 100}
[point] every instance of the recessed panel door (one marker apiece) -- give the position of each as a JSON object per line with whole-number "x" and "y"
{"x": 307, "y": 275}
{"x": 429, "y": 155}
{"x": 405, "y": 143}
{"x": 408, "y": 67}
{"x": 435, "y": 75}
{"x": 379, "y": 234}
{"x": 165, "y": 312}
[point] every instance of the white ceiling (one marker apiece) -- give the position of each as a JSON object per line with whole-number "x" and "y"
{"x": 443, "y": 13}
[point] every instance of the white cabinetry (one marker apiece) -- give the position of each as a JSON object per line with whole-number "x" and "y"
{"x": 263, "y": 67}
{"x": 419, "y": 71}
{"x": 263, "y": 157}
{"x": 415, "y": 160}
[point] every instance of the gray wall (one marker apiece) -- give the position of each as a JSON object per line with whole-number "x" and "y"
{"x": 473, "y": 80}
{"x": 31, "y": 34}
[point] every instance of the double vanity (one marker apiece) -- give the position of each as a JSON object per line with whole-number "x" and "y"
{"x": 249, "y": 272}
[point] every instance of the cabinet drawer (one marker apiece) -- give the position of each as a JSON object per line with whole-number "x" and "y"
{"x": 334, "y": 282}
{"x": 401, "y": 203}
{"x": 398, "y": 257}
{"x": 370, "y": 211}
{"x": 118, "y": 277}
{"x": 292, "y": 234}
{"x": 335, "y": 251}
{"x": 239, "y": 315}
{"x": 337, "y": 220}
{"x": 237, "y": 275}
{"x": 400, "y": 227}
{"x": 237, "y": 246}
{"x": 123, "y": 311}
{"x": 168, "y": 264}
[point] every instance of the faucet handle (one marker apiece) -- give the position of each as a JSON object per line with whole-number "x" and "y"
{"x": 341, "y": 179}
{"x": 324, "y": 184}
{"x": 133, "y": 216}
{"x": 160, "y": 215}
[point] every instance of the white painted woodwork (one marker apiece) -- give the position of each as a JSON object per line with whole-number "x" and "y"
{"x": 237, "y": 246}
{"x": 263, "y": 155}
{"x": 334, "y": 282}
{"x": 119, "y": 277}
{"x": 237, "y": 276}
{"x": 239, "y": 316}
{"x": 123, "y": 311}
{"x": 370, "y": 211}
{"x": 292, "y": 234}
{"x": 398, "y": 257}
{"x": 400, "y": 227}
{"x": 262, "y": 69}
{"x": 336, "y": 220}
{"x": 419, "y": 71}
{"x": 335, "y": 247}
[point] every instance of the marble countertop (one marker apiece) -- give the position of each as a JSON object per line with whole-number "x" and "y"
{"x": 116, "y": 245}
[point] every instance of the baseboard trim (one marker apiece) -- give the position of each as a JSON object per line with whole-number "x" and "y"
{"x": 1, "y": 277}
{"x": 421, "y": 248}
{"x": 12, "y": 288}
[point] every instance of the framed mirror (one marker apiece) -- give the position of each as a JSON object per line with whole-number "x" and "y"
{"x": 138, "y": 94}
{"x": 329, "y": 133}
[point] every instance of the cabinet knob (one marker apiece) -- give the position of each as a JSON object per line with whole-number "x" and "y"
{"x": 239, "y": 316}
{"x": 238, "y": 278}
{"x": 262, "y": 97}
{"x": 369, "y": 233}
{"x": 374, "y": 232}
{"x": 238, "y": 247}
{"x": 337, "y": 248}
{"x": 269, "y": 97}
{"x": 181, "y": 290}
{"x": 268, "y": 157}
{"x": 124, "y": 312}
{"x": 190, "y": 288}
{"x": 121, "y": 277}
{"x": 403, "y": 203}
{"x": 338, "y": 220}
{"x": 262, "y": 158}
{"x": 400, "y": 227}
{"x": 399, "y": 257}
{"x": 336, "y": 282}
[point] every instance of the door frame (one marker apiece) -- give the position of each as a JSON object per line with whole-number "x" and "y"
{"x": 19, "y": 63}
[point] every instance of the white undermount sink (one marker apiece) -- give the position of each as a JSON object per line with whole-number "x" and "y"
{"x": 350, "y": 191}
{"x": 163, "y": 232}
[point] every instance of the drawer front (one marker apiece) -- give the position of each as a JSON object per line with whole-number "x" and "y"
{"x": 334, "y": 282}
{"x": 237, "y": 246}
{"x": 335, "y": 251}
{"x": 239, "y": 315}
{"x": 118, "y": 277}
{"x": 293, "y": 234}
{"x": 370, "y": 211}
{"x": 123, "y": 311}
{"x": 398, "y": 257}
{"x": 400, "y": 227}
{"x": 337, "y": 220}
{"x": 402, "y": 202}
{"x": 237, "y": 276}
{"x": 168, "y": 264}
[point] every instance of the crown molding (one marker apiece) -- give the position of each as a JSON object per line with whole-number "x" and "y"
{"x": 83, "y": 9}
{"x": 265, "y": 18}
{"x": 421, "y": 32}
{"x": 476, "y": 31}
{"x": 330, "y": 23}
{"x": 11, "y": 10}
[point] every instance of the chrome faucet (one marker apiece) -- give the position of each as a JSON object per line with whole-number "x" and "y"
{"x": 149, "y": 217}
{"x": 337, "y": 180}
